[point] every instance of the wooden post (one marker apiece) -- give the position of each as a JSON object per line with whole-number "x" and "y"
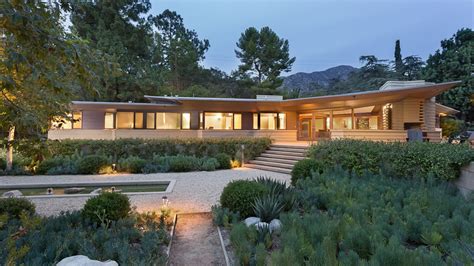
{"x": 352, "y": 119}
{"x": 331, "y": 126}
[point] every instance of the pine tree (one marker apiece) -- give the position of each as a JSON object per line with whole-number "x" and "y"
{"x": 398, "y": 59}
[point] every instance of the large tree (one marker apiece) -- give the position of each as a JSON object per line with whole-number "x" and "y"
{"x": 455, "y": 61}
{"x": 179, "y": 49}
{"x": 41, "y": 68}
{"x": 398, "y": 59}
{"x": 264, "y": 56}
{"x": 119, "y": 28}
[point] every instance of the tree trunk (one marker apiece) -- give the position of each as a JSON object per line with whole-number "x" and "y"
{"x": 11, "y": 136}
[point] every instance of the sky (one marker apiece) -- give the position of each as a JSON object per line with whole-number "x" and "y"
{"x": 324, "y": 33}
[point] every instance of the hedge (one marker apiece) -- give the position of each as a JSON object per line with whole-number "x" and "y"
{"x": 146, "y": 148}
{"x": 414, "y": 159}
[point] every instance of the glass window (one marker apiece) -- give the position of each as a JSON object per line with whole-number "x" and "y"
{"x": 342, "y": 122}
{"x": 77, "y": 120}
{"x": 237, "y": 121}
{"x": 168, "y": 120}
{"x": 124, "y": 119}
{"x": 186, "y": 121}
{"x": 150, "y": 120}
{"x": 255, "y": 121}
{"x": 201, "y": 121}
{"x": 268, "y": 120}
{"x": 109, "y": 120}
{"x": 218, "y": 120}
{"x": 138, "y": 120}
{"x": 281, "y": 121}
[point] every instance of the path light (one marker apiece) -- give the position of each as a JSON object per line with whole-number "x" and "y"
{"x": 49, "y": 191}
{"x": 114, "y": 167}
{"x": 112, "y": 189}
{"x": 243, "y": 149}
{"x": 164, "y": 201}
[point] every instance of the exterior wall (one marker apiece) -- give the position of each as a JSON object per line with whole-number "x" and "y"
{"x": 93, "y": 119}
{"x": 247, "y": 121}
{"x": 397, "y": 116}
{"x": 110, "y": 134}
{"x": 376, "y": 135}
{"x": 291, "y": 120}
{"x": 429, "y": 114}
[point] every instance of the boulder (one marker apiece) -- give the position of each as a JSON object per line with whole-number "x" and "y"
{"x": 73, "y": 190}
{"x": 12, "y": 194}
{"x": 96, "y": 191}
{"x": 251, "y": 221}
{"x": 275, "y": 226}
{"x": 81, "y": 260}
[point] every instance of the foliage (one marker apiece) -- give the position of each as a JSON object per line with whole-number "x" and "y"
{"x": 106, "y": 207}
{"x": 224, "y": 160}
{"x": 147, "y": 149}
{"x": 3, "y": 164}
{"x": 268, "y": 207}
{"x": 238, "y": 196}
{"x": 279, "y": 189}
{"x": 451, "y": 127}
{"x": 223, "y": 216}
{"x": 59, "y": 165}
{"x": 13, "y": 207}
{"x": 303, "y": 169}
{"x": 454, "y": 62}
{"x": 264, "y": 54}
{"x": 378, "y": 220}
{"x": 209, "y": 164}
{"x": 132, "y": 164}
{"x": 137, "y": 240}
{"x": 405, "y": 160}
{"x": 91, "y": 164}
{"x": 182, "y": 163}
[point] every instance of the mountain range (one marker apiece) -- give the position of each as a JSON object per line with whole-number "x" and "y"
{"x": 308, "y": 83}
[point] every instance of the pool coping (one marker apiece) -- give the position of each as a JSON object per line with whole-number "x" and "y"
{"x": 171, "y": 183}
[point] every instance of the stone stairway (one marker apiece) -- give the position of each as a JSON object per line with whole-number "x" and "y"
{"x": 279, "y": 158}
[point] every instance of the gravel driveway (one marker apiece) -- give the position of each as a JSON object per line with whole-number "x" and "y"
{"x": 193, "y": 191}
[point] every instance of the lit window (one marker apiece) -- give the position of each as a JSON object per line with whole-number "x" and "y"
{"x": 281, "y": 121}
{"x": 124, "y": 120}
{"x": 201, "y": 121}
{"x": 186, "y": 122}
{"x": 168, "y": 120}
{"x": 268, "y": 121}
{"x": 109, "y": 120}
{"x": 218, "y": 120}
{"x": 138, "y": 120}
{"x": 255, "y": 121}
{"x": 237, "y": 121}
{"x": 150, "y": 120}
{"x": 342, "y": 122}
{"x": 77, "y": 120}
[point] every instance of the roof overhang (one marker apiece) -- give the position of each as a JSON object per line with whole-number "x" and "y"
{"x": 445, "y": 110}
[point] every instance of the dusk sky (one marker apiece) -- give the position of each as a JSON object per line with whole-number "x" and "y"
{"x": 324, "y": 34}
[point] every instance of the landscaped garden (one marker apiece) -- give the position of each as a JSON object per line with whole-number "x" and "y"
{"x": 132, "y": 155}
{"x": 355, "y": 202}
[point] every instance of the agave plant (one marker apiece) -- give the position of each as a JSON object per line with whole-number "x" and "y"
{"x": 268, "y": 207}
{"x": 274, "y": 186}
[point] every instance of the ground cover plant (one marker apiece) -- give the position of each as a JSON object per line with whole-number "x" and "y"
{"x": 133, "y": 239}
{"x": 406, "y": 160}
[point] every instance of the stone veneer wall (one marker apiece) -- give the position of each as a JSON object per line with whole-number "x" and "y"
{"x": 465, "y": 183}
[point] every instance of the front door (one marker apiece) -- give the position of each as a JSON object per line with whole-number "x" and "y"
{"x": 305, "y": 129}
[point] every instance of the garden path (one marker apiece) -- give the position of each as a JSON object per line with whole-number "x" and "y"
{"x": 196, "y": 241}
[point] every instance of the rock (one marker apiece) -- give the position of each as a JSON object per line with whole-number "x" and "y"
{"x": 12, "y": 194}
{"x": 275, "y": 226}
{"x": 251, "y": 221}
{"x": 96, "y": 191}
{"x": 81, "y": 260}
{"x": 73, "y": 190}
{"x": 262, "y": 226}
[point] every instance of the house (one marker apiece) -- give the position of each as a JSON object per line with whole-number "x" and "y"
{"x": 385, "y": 114}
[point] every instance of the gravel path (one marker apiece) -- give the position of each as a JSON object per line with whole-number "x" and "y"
{"x": 196, "y": 242}
{"x": 193, "y": 191}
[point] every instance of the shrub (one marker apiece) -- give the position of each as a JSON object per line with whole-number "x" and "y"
{"x": 303, "y": 169}
{"x": 209, "y": 164}
{"x": 3, "y": 164}
{"x": 238, "y": 196}
{"x": 106, "y": 207}
{"x": 224, "y": 161}
{"x": 49, "y": 164}
{"x": 132, "y": 164}
{"x": 223, "y": 217}
{"x": 414, "y": 159}
{"x": 183, "y": 163}
{"x": 268, "y": 207}
{"x": 13, "y": 207}
{"x": 91, "y": 164}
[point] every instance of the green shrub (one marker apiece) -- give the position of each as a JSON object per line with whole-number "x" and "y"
{"x": 107, "y": 206}
{"x": 414, "y": 159}
{"x": 224, "y": 161}
{"x": 304, "y": 168}
{"x": 183, "y": 163}
{"x": 268, "y": 207}
{"x": 13, "y": 207}
{"x": 49, "y": 164}
{"x": 238, "y": 196}
{"x": 132, "y": 164}
{"x": 223, "y": 216}
{"x": 209, "y": 164}
{"x": 59, "y": 165}
{"x": 3, "y": 164}
{"x": 91, "y": 164}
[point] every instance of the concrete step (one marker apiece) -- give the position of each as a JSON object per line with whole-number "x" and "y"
{"x": 300, "y": 154}
{"x": 287, "y": 149}
{"x": 286, "y": 157}
{"x": 268, "y": 168}
{"x": 276, "y": 160}
{"x": 273, "y": 164}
